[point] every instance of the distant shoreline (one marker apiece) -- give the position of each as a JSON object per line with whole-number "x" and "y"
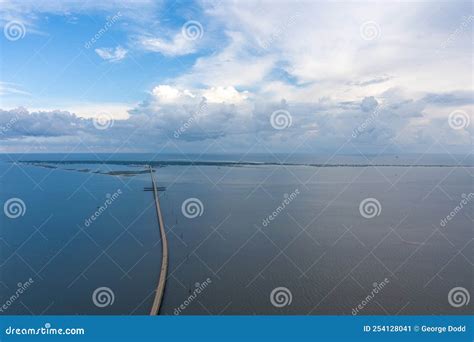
{"x": 47, "y": 163}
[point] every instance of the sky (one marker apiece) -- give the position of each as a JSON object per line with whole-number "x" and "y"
{"x": 221, "y": 76}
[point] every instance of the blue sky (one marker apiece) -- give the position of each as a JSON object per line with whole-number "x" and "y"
{"x": 227, "y": 76}
{"x": 58, "y": 38}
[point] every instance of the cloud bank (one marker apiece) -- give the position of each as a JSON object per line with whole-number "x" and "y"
{"x": 228, "y": 121}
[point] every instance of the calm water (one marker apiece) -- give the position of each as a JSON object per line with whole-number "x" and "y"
{"x": 319, "y": 246}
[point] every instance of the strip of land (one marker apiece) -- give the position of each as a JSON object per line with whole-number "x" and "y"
{"x": 158, "y": 164}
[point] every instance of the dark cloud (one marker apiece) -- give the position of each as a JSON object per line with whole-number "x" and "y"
{"x": 375, "y": 80}
{"x": 17, "y": 123}
{"x": 368, "y": 103}
{"x": 459, "y": 98}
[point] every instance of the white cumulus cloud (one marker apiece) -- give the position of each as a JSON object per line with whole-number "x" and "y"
{"x": 112, "y": 54}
